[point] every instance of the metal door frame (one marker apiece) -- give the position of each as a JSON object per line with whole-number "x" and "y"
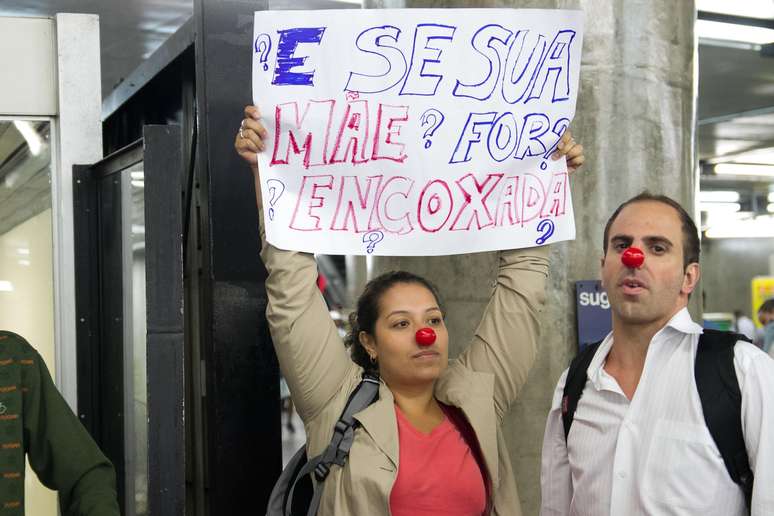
{"x": 98, "y": 231}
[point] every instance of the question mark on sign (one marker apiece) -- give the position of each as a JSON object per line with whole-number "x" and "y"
{"x": 432, "y": 119}
{"x": 371, "y": 239}
{"x": 546, "y": 227}
{"x": 262, "y": 47}
{"x": 552, "y": 149}
{"x": 276, "y": 188}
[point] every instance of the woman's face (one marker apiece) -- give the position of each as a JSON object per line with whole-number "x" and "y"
{"x": 403, "y": 309}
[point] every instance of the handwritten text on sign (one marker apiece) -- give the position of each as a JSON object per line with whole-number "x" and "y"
{"x": 415, "y": 132}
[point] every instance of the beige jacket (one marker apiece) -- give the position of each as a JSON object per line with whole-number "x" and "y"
{"x": 483, "y": 381}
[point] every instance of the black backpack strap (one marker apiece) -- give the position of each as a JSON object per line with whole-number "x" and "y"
{"x": 344, "y": 431}
{"x": 721, "y": 402}
{"x": 341, "y": 442}
{"x": 575, "y": 383}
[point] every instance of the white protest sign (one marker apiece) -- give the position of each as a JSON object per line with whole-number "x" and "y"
{"x": 417, "y": 131}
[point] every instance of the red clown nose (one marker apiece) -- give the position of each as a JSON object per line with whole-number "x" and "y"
{"x": 633, "y": 257}
{"x": 425, "y": 336}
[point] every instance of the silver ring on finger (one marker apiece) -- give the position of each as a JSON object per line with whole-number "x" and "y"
{"x": 241, "y": 134}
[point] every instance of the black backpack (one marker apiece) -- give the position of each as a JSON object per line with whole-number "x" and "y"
{"x": 721, "y": 399}
{"x": 294, "y": 494}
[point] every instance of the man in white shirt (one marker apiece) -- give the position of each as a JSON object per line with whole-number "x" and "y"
{"x": 638, "y": 444}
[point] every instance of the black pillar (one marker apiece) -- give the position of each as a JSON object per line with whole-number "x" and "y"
{"x": 239, "y": 380}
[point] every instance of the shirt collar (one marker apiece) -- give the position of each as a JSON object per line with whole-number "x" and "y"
{"x": 683, "y": 323}
{"x": 680, "y": 322}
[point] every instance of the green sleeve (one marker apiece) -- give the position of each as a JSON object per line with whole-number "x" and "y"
{"x": 61, "y": 451}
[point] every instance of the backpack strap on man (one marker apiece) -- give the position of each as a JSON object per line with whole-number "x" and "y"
{"x": 575, "y": 383}
{"x": 721, "y": 402}
{"x": 718, "y": 388}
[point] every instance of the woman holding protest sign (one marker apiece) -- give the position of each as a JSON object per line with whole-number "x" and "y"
{"x": 432, "y": 443}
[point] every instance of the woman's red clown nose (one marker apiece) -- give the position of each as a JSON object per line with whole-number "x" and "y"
{"x": 425, "y": 336}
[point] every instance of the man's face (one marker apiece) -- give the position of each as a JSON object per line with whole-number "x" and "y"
{"x": 652, "y": 294}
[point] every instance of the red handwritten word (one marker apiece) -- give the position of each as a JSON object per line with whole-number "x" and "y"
{"x": 398, "y": 205}
{"x": 313, "y": 136}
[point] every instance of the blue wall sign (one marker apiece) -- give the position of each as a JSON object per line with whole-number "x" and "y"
{"x": 593, "y": 309}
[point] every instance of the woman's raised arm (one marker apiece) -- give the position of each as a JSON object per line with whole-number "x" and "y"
{"x": 506, "y": 340}
{"x": 312, "y": 357}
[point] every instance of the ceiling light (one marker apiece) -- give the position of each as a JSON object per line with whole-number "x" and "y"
{"x": 744, "y": 169}
{"x": 759, "y": 227}
{"x": 24, "y": 263}
{"x": 734, "y": 32}
{"x": 23, "y": 251}
{"x": 138, "y": 184}
{"x": 748, "y": 8}
{"x": 770, "y": 197}
{"x": 138, "y": 175}
{"x": 724, "y": 207}
{"x": 770, "y": 207}
{"x": 719, "y": 196}
{"x": 31, "y": 135}
{"x": 6, "y": 286}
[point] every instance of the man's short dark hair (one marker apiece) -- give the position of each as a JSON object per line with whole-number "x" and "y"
{"x": 691, "y": 248}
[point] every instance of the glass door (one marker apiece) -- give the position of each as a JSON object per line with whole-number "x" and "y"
{"x": 128, "y": 231}
{"x": 27, "y": 255}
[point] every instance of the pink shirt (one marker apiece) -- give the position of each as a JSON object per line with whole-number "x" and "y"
{"x": 438, "y": 474}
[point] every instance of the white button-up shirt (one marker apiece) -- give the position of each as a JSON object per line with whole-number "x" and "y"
{"x": 654, "y": 455}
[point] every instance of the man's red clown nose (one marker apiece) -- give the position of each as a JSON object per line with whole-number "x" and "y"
{"x": 633, "y": 257}
{"x": 425, "y": 336}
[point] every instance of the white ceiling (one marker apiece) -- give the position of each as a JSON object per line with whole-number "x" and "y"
{"x": 130, "y": 30}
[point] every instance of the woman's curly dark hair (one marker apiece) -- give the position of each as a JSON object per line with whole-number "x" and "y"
{"x": 367, "y": 312}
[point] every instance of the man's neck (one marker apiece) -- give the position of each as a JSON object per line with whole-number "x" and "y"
{"x": 630, "y": 344}
{"x": 626, "y": 358}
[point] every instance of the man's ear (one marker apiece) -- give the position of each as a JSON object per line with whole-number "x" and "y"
{"x": 691, "y": 278}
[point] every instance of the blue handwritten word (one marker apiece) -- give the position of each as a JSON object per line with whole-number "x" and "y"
{"x": 286, "y": 60}
{"x": 371, "y": 239}
{"x": 501, "y": 136}
{"x": 546, "y": 227}
{"x": 419, "y": 76}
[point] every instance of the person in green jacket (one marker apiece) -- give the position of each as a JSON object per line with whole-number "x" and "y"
{"x": 37, "y": 422}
